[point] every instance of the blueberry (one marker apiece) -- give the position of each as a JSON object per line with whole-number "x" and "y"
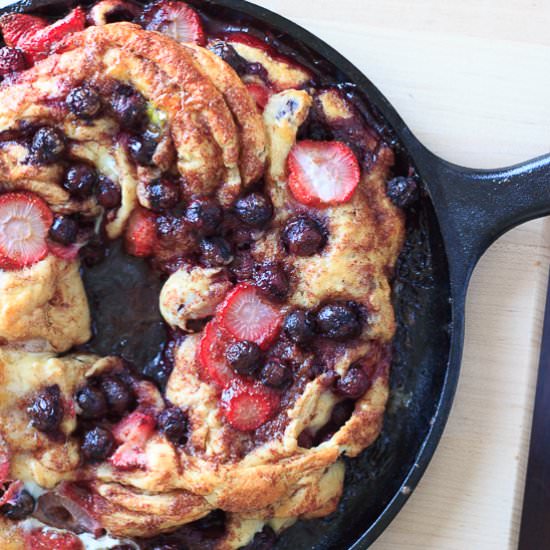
{"x": 84, "y": 102}
{"x": 353, "y": 384}
{"x": 303, "y": 236}
{"x": 172, "y": 422}
{"x": 129, "y": 106}
{"x": 97, "y": 444}
{"x": 163, "y": 194}
{"x": 299, "y": 326}
{"x": 142, "y": 148}
{"x": 80, "y": 180}
{"x": 275, "y": 374}
{"x": 204, "y": 215}
{"x": 402, "y": 191}
{"x": 108, "y": 192}
{"x": 272, "y": 279}
{"x": 244, "y": 357}
{"x": 18, "y": 507}
{"x": 255, "y": 210}
{"x": 229, "y": 54}
{"x": 46, "y": 409}
{"x": 63, "y": 230}
{"x": 215, "y": 251}
{"x": 119, "y": 395}
{"x": 91, "y": 401}
{"x": 338, "y": 321}
{"x": 48, "y": 145}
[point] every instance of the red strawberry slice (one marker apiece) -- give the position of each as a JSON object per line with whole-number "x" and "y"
{"x": 40, "y": 539}
{"x": 259, "y": 93}
{"x": 176, "y": 20}
{"x": 25, "y": 220}
{"x": 18, "y": 26}
{"x": 68, "y": 253}
{"x": 42, "y": 43}
{"x": 14, "y": 488}
{"x": 248, "y": 405}
{"x": 132, "y": 433}
{"x": 141, "y": 234}
{"x": 247, "y": 315}
{"x": 322, "y": 173}
{"x": 214, "y": 365}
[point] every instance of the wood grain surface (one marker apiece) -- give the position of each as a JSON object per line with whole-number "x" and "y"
{"x": 472, "y": 79}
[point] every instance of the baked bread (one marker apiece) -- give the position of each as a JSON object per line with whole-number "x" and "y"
{"x": 261, "y": 199}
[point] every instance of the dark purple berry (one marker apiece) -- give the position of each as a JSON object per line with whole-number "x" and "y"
{"x": 255, "y": 210}
{"x": 108, "y": 192}
{"x": 11, "y": 60}
{"x": 402, "y": 191}
{"x": 129, "y": 106}
{"x": 142, "y": 149}
{"x": 46, "y": 409}
{"x": 306, "y": 439}
{"x": 275, "y": 374}
{"x": 303, "y": 236}
{"x": 163, "y": 194}
{"x": 353, "y": 384}
{"x": 299, "y": 326}
{"x": 338, "y": 321}
{"x": 80, "y": 180}
{"x": 48, "y": 145}
{"x": 120, "y": 397}
{"x": 204, "y": 216}
{"x": 84, "y": 102}
{"x": 244, "y": 357}
{"x": 19, "y": 507}
{"x": 91, "y": 401}
{"x": 172, "y": 422}
{"x": 272, "y": 279}
{"x": 229, "y": 54}
{"x": 63, "y": 230}
{"x": 97, "y": 444}
{"x": 215, "y": 251}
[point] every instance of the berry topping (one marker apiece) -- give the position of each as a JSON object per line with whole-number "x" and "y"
{"x": 163, "y": 193}
{"x": 17, "y": 27}
{"x": 247, "y": 315}
{"x": 260, "y": 93}
{"x": 353, "y": 384}
{"x": 39, "y": 539}
{"x": 68, "y": 253}
{"x": 80, "y": 180}
{"x": 303, "y": 236}
{"x": 402, "y": 191}
{"x": 11, "y": 60}
{"x": 229, "y": 54}
{"x": 48, "y": 145}
{"x": 112, "y": 11}
{"x": 129, "y": 106}
{"x": 97, "y": 445}
{"x": 91, "y": 401}
{"x": 215, "y": 251}
{"x": 141, "y": 234}
{"x": 246, "y": 405}
{"x": 4, "y": 461}
{"x": 143, "y": 148}
{"x": 244, "y": 357}
{"x": 177, "y": 20}
{"x": 275, "y": 374}
{"x": 204, "y": 215}
{"x": 132, "y": 433}
{"x": 299, "y": 326}
{"x": 63, "y": 230}
{"x": 25, "y": 220}
{"x": 119, "y": 395}
{"x": 46, "y": 409}
{"x": 255, "y": 210}
{"x": 338, "y": 321}
{"x": 18, "y": 506}
{"x": 108, "y": 192}
{"x": 322, "y": 173}
{"x": 272, "y": 279}
{"x": 172, "y": 422}
{"x": 84, "y": 102}
{"x": 214, "y": 364}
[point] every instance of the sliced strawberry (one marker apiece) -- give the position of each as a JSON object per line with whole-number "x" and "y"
{"x": 247, "y": 315}
{"x": 68, "y": 253}
{"x": 132, "y": 433}
{"x": 42, "y": 43}
{"x": 176, "y": 20}
{"x": 260, "y": 93}
{"x": 41, "y": 539}
{"x": 141, "y": 234}
{"x": 13, "y": 490}
{"x": 322, "y": 173}
{"x": 18, "y": 26}
{"x": 248, "y": 405}
{"x": 214, "y": 365}
{"x": 25, "y": 220}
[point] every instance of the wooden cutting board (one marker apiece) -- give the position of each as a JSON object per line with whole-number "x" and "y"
{"x": 472, "y": 79}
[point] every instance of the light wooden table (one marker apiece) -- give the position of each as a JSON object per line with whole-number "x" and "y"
{"x": 472, "y": 79}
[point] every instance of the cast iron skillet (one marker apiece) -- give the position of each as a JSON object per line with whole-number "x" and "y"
{"x": 462, "y": 211}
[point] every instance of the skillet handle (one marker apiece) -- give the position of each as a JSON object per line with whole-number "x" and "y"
{"x": 475, "y": 207}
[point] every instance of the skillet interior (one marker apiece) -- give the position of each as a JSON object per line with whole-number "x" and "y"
{"x": 421, "y": 298}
